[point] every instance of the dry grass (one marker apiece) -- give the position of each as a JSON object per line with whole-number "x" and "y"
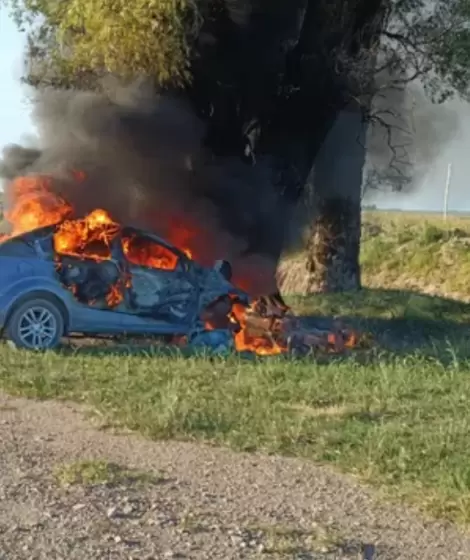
{"x": 404, "y": 251}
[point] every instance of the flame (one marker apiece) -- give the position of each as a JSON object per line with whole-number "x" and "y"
{"x": 89, "y": 237}
{"x": 262, "y": 339}
{"x": 146, "y": 253}
{"x": 262, "y": 328}
{"x": 115, "y": 295}
{"x": 182, "y": 235}
{"x": 34, "y": 204}
{"x": 245, "y": 341}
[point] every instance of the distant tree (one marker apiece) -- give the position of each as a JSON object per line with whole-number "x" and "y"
{"x": 269, "y": 78}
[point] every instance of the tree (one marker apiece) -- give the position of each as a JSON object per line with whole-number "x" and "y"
{"x": 270, "y": 79}
{"x": 74, "y": 42}
{"x": 417, "y": 43}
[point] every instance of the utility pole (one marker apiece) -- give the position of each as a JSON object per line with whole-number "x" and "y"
{"x": 446, "y": 191}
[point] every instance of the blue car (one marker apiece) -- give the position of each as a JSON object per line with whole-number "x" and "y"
{"x": 45, "y": 294}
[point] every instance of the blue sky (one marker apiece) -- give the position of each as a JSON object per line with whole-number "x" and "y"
{"x": 14, "y": 110}
{"x": 15, "y": 125}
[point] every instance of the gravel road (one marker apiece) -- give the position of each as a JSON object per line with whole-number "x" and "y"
{"x": 194, "y": 501}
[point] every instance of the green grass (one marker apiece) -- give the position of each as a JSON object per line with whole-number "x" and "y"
{"x": 383, "y": 304}
{"x": 99, "y": 472}
{"x": 396, "y": 416}
{"x": 290, "y": 542}
{"x": 406, "y": 251}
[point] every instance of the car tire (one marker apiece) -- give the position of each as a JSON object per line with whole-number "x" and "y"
{"x": 45, "y": 321}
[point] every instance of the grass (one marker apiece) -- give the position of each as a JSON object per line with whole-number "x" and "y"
{"x": 99, "y": 472}
{"x": 407, "y": 251}
{"x": 288, "y": 541}
{"x": 396, "y": 415}
{"x": 428, "y": 255}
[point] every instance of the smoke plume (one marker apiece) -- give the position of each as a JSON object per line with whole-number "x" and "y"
{"x": 142, "y": 159}
{"x": 407, "y": 134}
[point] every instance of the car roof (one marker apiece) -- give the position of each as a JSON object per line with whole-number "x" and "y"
{"x": 38, "y": 232}
{"x": 46, "y": 230}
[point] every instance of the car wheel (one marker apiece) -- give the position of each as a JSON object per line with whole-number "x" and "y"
{"x": 37, "y": 324}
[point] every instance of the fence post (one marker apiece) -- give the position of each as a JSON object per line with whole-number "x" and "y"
{"x": 446, "y": 191}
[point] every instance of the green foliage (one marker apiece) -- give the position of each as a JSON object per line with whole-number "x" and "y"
{"x": 415, "y": 251}
{"x": 453, "y": 50}
{"x": 70, "y": 40}
{"x": 431, "y": 41}
{"x": 99, "y": 472}
{"x": 75, "y": 41}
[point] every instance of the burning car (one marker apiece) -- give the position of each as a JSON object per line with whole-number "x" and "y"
{"x": 61, "y": 274}
{"x": 94, "y": 276}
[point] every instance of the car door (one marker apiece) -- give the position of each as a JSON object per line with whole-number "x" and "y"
{"x": 159, "y": 286}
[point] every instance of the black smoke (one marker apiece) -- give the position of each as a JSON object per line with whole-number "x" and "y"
{"x": 144, "y": 161}
{"x": 406, "y": 135}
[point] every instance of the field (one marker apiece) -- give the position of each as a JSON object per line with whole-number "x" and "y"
{"x": 395, "y": 415}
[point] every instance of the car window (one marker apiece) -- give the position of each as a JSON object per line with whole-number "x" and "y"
{"x": 141, "y": 250}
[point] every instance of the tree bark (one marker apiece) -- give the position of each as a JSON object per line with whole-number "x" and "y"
{"x": 333, "y": 248}
{"x": 334, "y": 241}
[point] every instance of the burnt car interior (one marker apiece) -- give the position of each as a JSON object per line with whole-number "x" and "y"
{"x": 159, "y": 284}
{"x": 92, "y": 272}
{"x": 89, "y": 280}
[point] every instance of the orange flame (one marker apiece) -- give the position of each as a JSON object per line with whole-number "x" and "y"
{"x": 89, "y": 237}
{"x": 34, "y": 204}
{"x": 144, "y": 252}
{"x": 245, "y": 341}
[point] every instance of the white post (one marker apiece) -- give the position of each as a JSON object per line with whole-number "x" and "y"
{"x": 446, "y": 192}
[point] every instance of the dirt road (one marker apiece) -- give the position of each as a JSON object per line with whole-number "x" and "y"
{"x": 181, "y": 500}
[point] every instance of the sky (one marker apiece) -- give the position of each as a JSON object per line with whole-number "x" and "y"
{"x": 16, "y": 125}
{"x": 15, "y": 121}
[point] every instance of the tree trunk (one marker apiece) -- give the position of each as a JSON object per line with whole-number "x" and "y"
{"x": 269, "y": 85}
{"x": 334, "y": 241}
